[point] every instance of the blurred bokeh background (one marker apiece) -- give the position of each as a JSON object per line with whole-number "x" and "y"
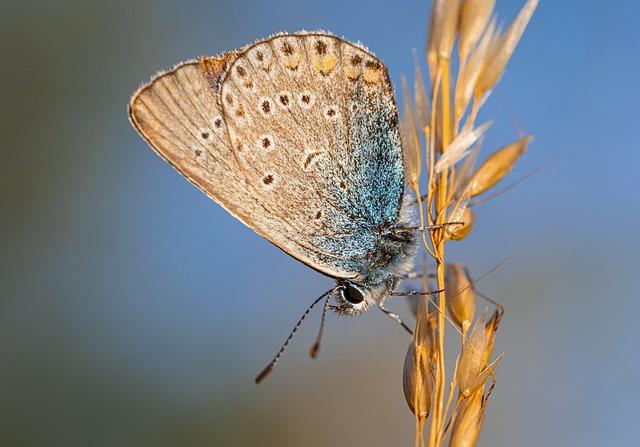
{"x": 135, "y": 312}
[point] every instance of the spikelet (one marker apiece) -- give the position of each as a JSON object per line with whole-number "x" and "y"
{"x": 442, "y": 31}
{"x": 473, "y": 370}
{"x": 449, "y": 28}
{"x": 460, "y": 232}
{"x": 423, "y": 108}
{"x": 460, "y": 147}
{"x": 502, "y": 49}
{"x": 468, "y": 422}
{"x": 461, "y": 296}
{"x": 497, "y": 165}
{"x": 471, "y": 71}
{"x": 474, "y": 15}
{"x": 464, "y": 170}
{"x": 457, "y": 213}
{"x": 410, "y": 141}
{"x": 440, "y": 122}
{"x": 417, "y": 374}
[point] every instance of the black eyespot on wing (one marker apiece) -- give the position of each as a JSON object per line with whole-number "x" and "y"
{"x": 373, "y": 65}
{"x": 266, "y": 107}
{"x": 321, "y": 47}
{"x": 287, "y": 49}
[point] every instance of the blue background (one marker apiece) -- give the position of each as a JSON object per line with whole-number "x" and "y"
{"x": 134, "y": 311}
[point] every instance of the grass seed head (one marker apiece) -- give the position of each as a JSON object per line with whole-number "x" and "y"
{"x": 443, "y": 28}
{"x": 498, "y": 164}
{"x": 417, "y": 375}
{"x": 502, "y": 50}
{"x": 410, "y": 141}
{"x": 468, "y": 423}
{"x": 423, "y": 107}
{"x": 460, "y": 147}
{"x": 473, "y": 370}
{"x": 417, "y": 381}
{"x": 440, "y": 121}
{"x": 461, "y": 296}
{"x": 474, "y": 15}
{"x": 472, "y": 69}
{"x": 460, "y": 232}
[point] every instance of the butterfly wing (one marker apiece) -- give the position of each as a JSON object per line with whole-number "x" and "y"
{"x": 314, "y": 127}
{"x": 296, "y": 136}
{"x": 179, "y": 114}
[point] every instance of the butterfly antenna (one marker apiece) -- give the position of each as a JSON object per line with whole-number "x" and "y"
{"x": 313, "y": 352}
{"x": 265, "y": 372}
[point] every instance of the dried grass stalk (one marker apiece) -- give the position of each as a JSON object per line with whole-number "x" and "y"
{"x": 440, "y": 123}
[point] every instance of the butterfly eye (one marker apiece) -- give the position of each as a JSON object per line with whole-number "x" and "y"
{"x": 351, "y": 294}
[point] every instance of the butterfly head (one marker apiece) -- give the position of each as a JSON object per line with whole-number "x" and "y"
{"x": 353, "y": 298}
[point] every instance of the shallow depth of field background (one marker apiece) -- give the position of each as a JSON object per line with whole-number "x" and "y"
{"x": 135, "y": 312}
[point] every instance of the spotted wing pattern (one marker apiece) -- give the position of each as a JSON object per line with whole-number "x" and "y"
{"x": 313, "y": 123}
{"x": 296, "y": 136}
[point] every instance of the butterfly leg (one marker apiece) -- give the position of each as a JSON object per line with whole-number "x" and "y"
{"x": 394, "y": 317}
{"x": 424, "y": 228}
{"x": 417, "y": 275}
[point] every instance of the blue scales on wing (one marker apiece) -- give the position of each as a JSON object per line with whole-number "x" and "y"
{"x": 295, "y": 135}
{"x": 312, "y": 121}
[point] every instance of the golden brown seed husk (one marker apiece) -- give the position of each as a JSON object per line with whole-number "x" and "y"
{"x": 442, "y": 31}
{"x": 468, "y": 423}
{"x": 460, "y": 232}
{"x": 410, "y": 141}
{"x": 499, "y": 164}
{"x": 417, "y": 375}
{"x": 417, "y": 381}
{"x": 473, "y": 370}
{"x": 461, "y": 295}
{"x": 502, "y": 49}
{"x": 474, "y": 15}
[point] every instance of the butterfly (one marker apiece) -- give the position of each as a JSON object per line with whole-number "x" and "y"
{"x": 296, "y": 136}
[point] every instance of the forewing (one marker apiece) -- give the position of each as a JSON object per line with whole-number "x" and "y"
{"x": 179, "y": 114}
{"x": 314, "y": 123}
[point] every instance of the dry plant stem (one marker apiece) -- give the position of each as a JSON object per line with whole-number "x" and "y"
{"x": 440, "y": 264}
{"x": 441, "y": 205}
{"x": 456, "y": 97}
{"x": 431, "y": 155}
{"x": 432, "y": 235}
